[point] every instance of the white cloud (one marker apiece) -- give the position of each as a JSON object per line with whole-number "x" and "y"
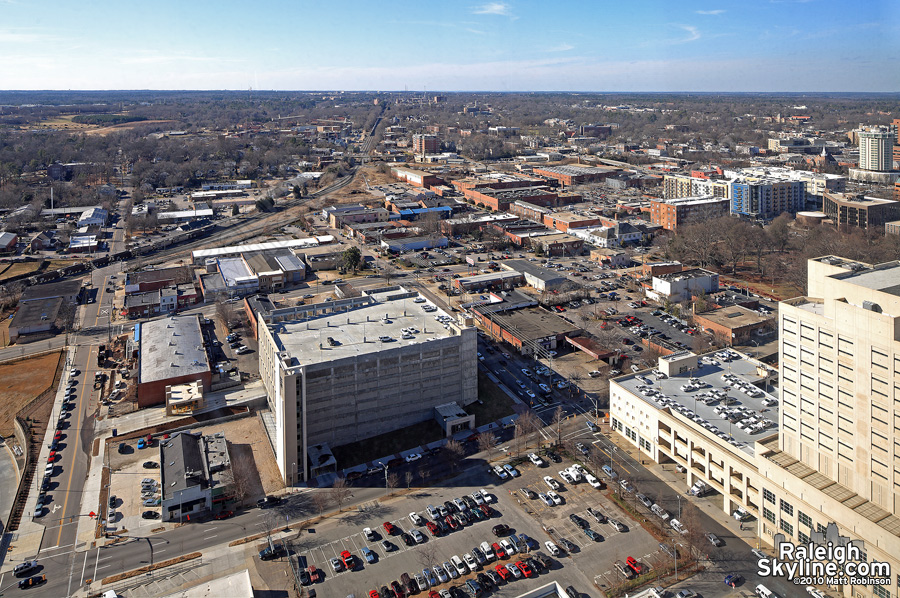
{"x": 476, "y": 31}
{"x": 22, "y": 36}
{"x": 494, "y": 8}
{"x": 693, "y": 34}
{"x": 710, "y": 12}
{"x": 563, "y": 47}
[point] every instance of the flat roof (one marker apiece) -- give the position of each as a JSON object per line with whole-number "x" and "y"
{"x": 573, "y": 169}
{"x": 235, "y": 249}
{"x": 532, "y": 323}
{"x": 234, "y": 270}
{"x": 712, "y": 371}
{"x": 182, "y": 460}
{"x": 171, "y": 347}
{"x": 234, "y": 585}
{"x": 734, "y": 316}
{"x": 356, "y": 324}
{"x": 532, "y": 269}
{"x": 65, "y": 288}
{"x": 32, "y": 313}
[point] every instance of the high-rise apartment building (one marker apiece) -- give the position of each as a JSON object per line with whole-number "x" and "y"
{"x": 766, "y": 198}
{"x": 681, "y": 185}
{"x": 876, "y": 147}
{"x": 426, "y": 144}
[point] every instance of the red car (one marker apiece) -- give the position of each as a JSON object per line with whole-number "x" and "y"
{"x": 450, "y": 521}
{"x": 224, "y": 515}
{"x": 525, "y": 569}
{"x": 347, "y": 559}
{"x": 433, "y": 529}
{"x": 498, "y": 550}
{"x": 389, "y": 528}
{"x": 314, "y": 574}
{"x": 57, "y": 436}
{"x": 433, "y": 594}
{"x": 374, "y": 594}
{"x": 485, "y": 509}
{"x": 633, "y": 564}
{"x": 52, "y": 457}
{"x": 503, "y": 572}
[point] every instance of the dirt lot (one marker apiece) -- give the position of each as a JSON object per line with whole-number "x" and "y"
{"x": 22, "y": 381}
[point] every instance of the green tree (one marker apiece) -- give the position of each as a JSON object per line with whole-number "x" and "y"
{"x": 235, "y": 210}
{"x": 351, "y": 258}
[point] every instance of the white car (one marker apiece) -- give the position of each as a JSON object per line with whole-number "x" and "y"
{"x": 556, "y": 498}
{"x": 488, "y": 498}
{"x": 594, "y": 482}
{"x": 552, "y": 548}
{"x": 508, "y": 547}
{"x": 554, "y": 485}
{"x": 546, "y": 499}
{"x": 471, "y": 562}
{"x": 501, "y": 473}
{"x": 512, "y": 471}
{"x": 476, "y": 496}
{"x": 416, "y": 519}
{"x": 566, "y": 476}
{"x": 417, "y": 536}
{"x": 514, "y": 570}
{"x": 441, "y": 574}
{"x": 535, "y": 459}
{"x": 451, "y": 570}
{"x": 413, "y": 457}
{"x": 814, "y": 592}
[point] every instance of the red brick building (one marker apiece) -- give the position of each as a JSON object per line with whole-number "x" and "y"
{"x": 171, "y": 352}
{"x": 672, "y": 213}
{"x": 563, "y": 221}
{"x": 426, "y": 144}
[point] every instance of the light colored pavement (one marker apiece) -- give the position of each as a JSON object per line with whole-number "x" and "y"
{"x": 9, "y": 481}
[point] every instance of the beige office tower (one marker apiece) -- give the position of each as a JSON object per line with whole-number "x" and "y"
{"x": 838, "y": 453}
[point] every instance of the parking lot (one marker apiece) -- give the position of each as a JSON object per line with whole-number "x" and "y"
{"x": 578, "y": 566}
{"x": 125, "y": 485}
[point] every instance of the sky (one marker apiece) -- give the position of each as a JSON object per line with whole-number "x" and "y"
{"x": 450, "y": 45}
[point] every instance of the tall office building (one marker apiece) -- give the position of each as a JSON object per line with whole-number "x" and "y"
{"x": 876, "y": 145}
{"x": 826, "y": 454}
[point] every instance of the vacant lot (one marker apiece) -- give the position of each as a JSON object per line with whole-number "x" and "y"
{"x": 22, "y": 381}
{"x": 19, "y": 268}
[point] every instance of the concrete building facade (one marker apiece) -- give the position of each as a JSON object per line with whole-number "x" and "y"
{"x": 347, "y": 370}
{"x": 876, "y": 146}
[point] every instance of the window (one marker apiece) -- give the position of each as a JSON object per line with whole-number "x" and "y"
{"x": 826, "y": 339}
{"x": 769, "y": 496}
{"x": 879, "y": 359}
{"x": 802, "y": 538}
{"x": 787, "y": 528}
{"x": 845, "y": 346}
{"x": 880, "y": 592}
{"x": 769, "y": 515}
{"x": 787, "y": 507}
{"x": 804, "y": 519}
{"x": 820, "y": 528}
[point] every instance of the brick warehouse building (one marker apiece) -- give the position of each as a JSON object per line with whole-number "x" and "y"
{"x": 171, "y": 352}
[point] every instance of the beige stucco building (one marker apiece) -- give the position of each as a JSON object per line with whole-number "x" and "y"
{"x": 833, "y": 451}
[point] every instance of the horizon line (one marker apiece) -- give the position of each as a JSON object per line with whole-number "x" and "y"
{"x": 438, "y": 92}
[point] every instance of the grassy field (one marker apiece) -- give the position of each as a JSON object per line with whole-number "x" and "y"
{"x": 22, "y": 381}
{"x": 19, "y": 268}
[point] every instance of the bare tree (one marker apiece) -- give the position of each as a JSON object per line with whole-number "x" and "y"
{"x": 392, "y": 481}
{"x": 409, "y": 478}
{"x": 557, "y": 421}
{"x": 340, "y": 492}
{"x": 525, "y": 425}
{"x": 244, "y": 476}
{"x": 486, "y": 442}
{"x": 224, "y": 311}
{"x": 454, "y": 452}
{"x": 427, "y": 554}
{"x": 321, "y": 500}
{"x": 388, "y": 273}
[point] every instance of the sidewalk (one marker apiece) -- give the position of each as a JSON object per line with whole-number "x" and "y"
{"x": 667, "y": 473}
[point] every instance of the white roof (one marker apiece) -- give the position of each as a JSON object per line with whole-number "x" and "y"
{"x": 234, "y": 249}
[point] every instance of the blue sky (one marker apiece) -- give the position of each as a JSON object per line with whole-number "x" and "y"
{"x": 508, "y": 45}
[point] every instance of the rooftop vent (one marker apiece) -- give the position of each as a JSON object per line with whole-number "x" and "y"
{"x": 872, "y": 306}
